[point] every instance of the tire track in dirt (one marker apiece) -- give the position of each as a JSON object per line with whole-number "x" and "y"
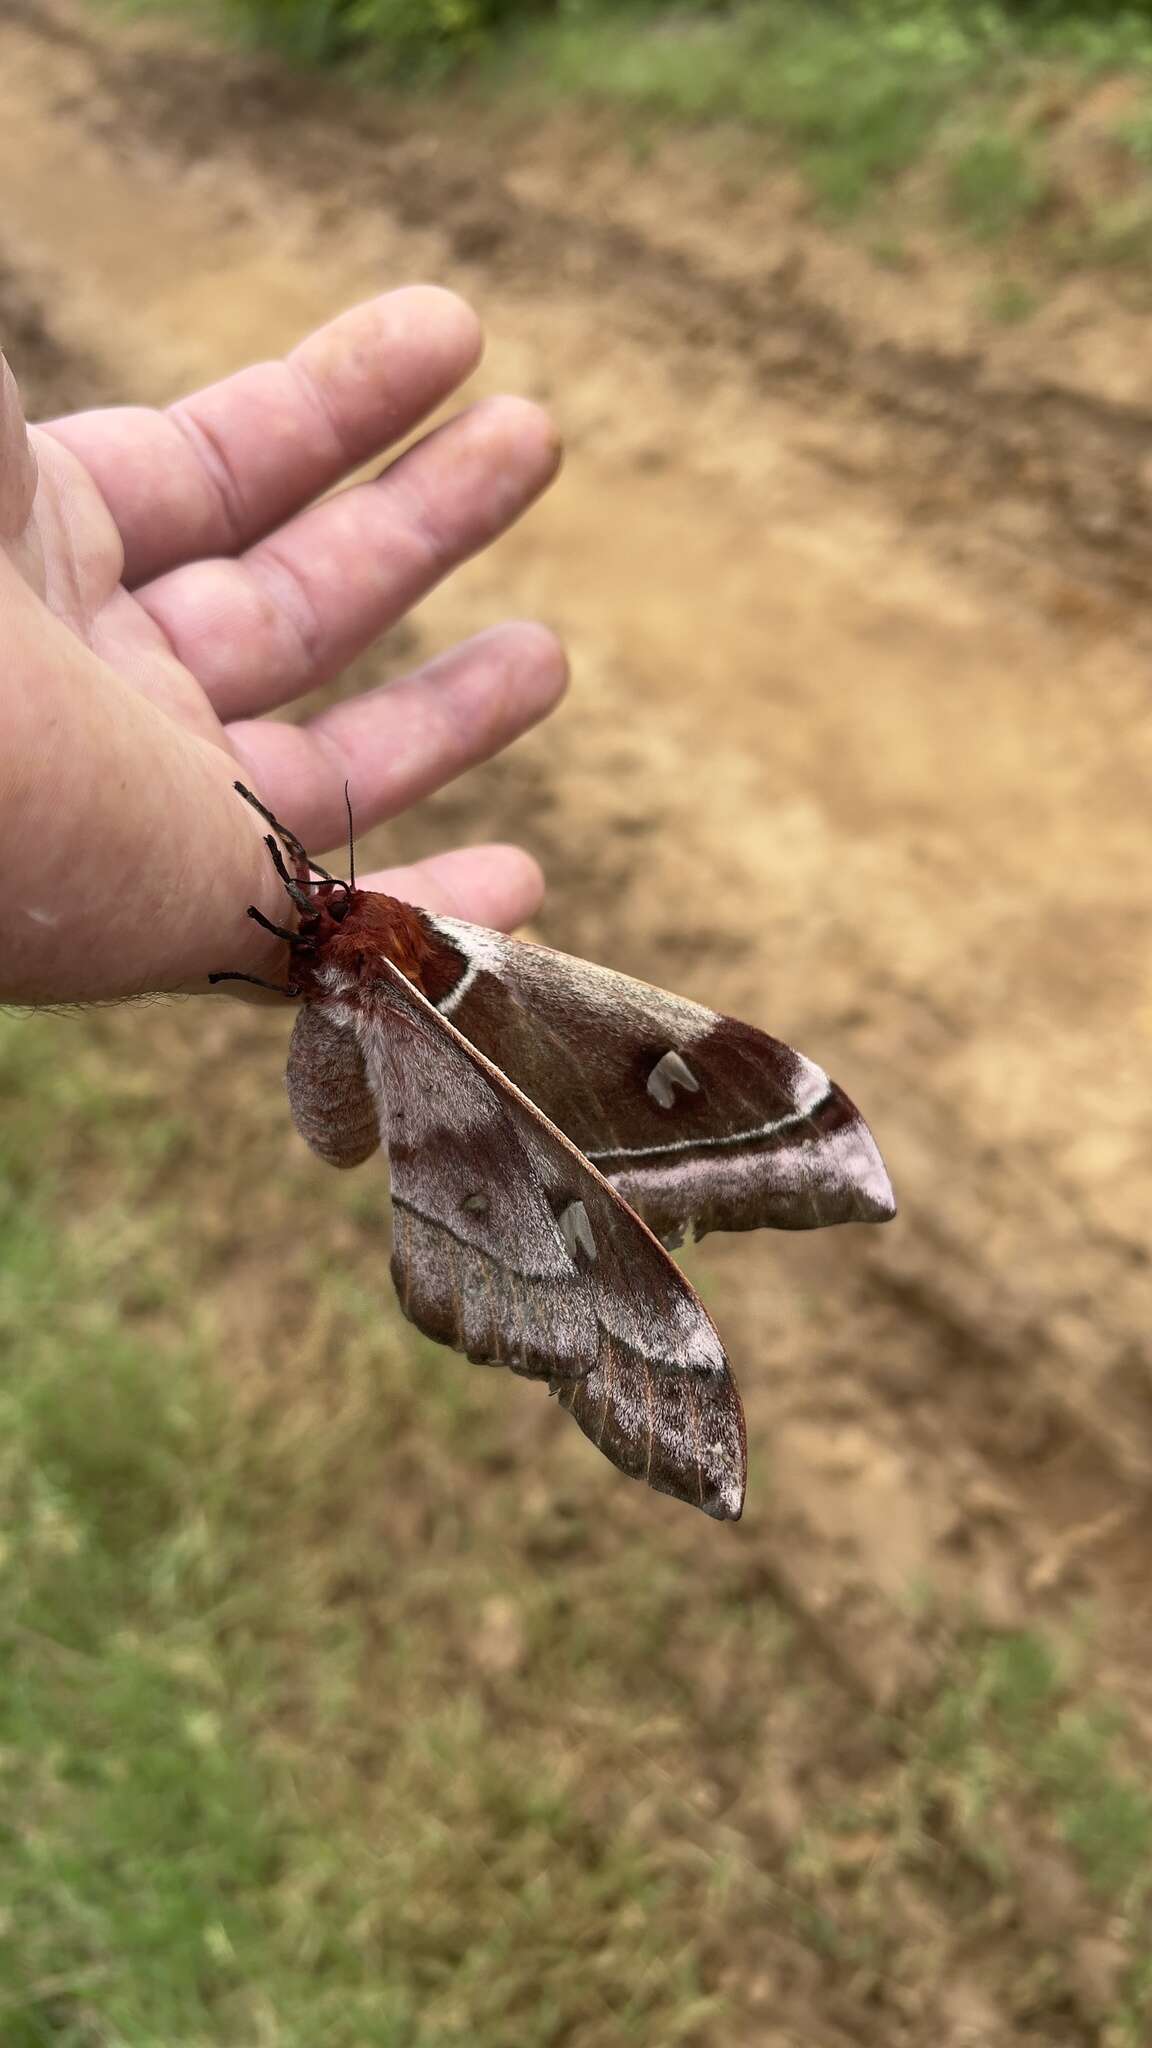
{"x": 1057, "y": 467}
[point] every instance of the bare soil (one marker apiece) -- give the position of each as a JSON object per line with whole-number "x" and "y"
{"x": 859, "y": 747}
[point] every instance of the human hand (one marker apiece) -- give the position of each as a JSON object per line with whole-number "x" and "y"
{"x": 165, "y": 578}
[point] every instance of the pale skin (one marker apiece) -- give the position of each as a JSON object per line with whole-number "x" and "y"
{"x": 166, "y": 579}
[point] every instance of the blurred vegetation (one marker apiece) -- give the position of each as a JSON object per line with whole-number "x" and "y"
{"x": 853, "y": 93}
{"x": 697, "y": 53}
{"x": 247, "y": 1798}
{"x": 347, "y": 1699}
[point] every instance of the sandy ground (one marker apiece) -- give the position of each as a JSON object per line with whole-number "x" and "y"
{"x": 860, "y": 747}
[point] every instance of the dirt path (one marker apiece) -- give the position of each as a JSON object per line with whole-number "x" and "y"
{"x": 860, "y": 746}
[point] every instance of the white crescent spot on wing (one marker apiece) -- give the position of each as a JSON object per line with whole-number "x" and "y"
{"x": 479, "y": 955}
{"x": 670, "y": 1073}
{"x": 576, "y": 1230}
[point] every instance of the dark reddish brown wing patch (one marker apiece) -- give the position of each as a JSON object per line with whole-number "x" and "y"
{"x": 701, "y": 1122}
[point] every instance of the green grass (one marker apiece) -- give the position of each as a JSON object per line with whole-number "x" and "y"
{"x": 135, "y": 1852}
{"x": 338, "y": 1710}
{"x": 694, "y": 58}
{"x": 1007, "y": 1719}
{"x": 1006, "y": 1762}
{"x": 1120, "y": 235}
{"x": 994, "y": 185}
{"x": 145, "y": 1881}
{"x": 1009, "y": 1734}
{"x": 1010, "y": 302}
{"x": 854, "y": 93}
{"x": 853, "y": 102}
{"x": 182, "y": 1862}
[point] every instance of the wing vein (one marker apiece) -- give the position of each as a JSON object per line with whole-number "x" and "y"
{"x": 651, "y": 1422}
{"x": 609, "y": 1388}
{"x": 695, "y": 1410}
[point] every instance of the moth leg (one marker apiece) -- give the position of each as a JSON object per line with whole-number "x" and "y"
{"x": 256, "y": 982}
{"x": 278, "y": 931}
{"x": 295, "y": 889}
{"x": 303, "y": 860}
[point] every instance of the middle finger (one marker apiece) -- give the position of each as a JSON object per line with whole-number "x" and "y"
{"x": 260, "y": 631}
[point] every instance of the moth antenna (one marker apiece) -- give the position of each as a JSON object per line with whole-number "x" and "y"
{"x": 289, "y": 838}
{"x": 351, "y": 841}
{"x": 256, "y": 982}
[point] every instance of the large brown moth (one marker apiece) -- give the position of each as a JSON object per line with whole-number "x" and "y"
{"x": 551, "y": 1127}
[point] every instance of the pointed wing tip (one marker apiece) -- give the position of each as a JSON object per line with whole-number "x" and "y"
{"x": 875, "y": 1201}
{"x": 726, "y": 1505}
{"x": 719, "y": 1494}
{"x": 723, "y": 1477}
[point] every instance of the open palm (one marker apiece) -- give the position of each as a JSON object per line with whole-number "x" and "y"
{"x": 186, "y": 552}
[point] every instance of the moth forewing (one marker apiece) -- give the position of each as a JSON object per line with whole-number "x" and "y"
{"x": 510, "y": 1247}
{"x": 701, "y": 1122}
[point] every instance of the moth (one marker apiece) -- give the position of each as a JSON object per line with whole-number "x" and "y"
{"x": 553, "y": 1131}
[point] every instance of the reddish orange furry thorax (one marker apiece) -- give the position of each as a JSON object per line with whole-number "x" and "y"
{"x": 367, "y": 923}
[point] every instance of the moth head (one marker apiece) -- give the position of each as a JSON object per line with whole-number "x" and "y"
{"x": 330, "y": 916}
{"x": 326, "y": 907}
{"x": 331, "y": 902}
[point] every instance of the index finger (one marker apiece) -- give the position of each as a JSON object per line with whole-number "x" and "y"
{"x": 216, "y": 471}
